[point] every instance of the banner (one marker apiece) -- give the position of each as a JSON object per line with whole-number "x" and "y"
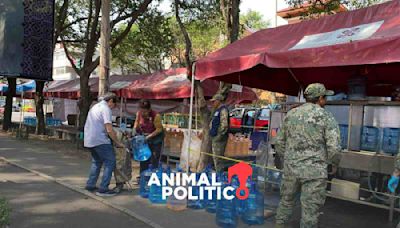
{"x": 26, "y": 38}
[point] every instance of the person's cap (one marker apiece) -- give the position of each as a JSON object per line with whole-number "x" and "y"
{"x": 217, "y": 97}
{"x": 317, "y": 90}
{"x": 108, "y": 96}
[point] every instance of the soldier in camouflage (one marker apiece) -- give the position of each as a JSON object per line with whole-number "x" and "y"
{"x": 123, "y": 166}
{"x": 219, "y": 127}
{"x": 308, "y": 141}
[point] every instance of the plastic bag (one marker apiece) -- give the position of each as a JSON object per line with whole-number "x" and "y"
{"x": 141, "y": 150}
{"x": 193, "y": 155}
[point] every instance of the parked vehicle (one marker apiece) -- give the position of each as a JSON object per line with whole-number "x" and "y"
{"x": 247, "y": 120}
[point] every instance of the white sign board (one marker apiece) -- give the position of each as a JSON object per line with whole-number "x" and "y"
{"x": 340, "y": 36}
{"x": 237, "y": 88}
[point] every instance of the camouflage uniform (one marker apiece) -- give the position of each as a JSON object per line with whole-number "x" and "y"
{"x": 123, "y": 167}
{"x": 308, "y": 140}
{"x": 219, "y": 141}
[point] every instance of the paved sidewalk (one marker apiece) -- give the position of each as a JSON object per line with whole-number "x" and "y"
{"x": 59, "y": 160}
{"x": 37, "y": 202}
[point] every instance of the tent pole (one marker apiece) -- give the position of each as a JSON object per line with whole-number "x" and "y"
{"x": 298, "y": 83}
{"x": 21, "y": 110}
{"x": 120, "y": 111}
{"x": 190, "y": 116}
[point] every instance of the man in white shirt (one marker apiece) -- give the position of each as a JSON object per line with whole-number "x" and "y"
{"x": 98, "y": 134}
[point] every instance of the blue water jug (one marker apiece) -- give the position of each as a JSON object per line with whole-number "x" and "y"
{"x": 344, "y": 133}
{"x": 226, "y": 214}
{"x": 253, "y": 213}
{"x": 391, "y": 138}
{"x": 211, "y": 204}
{"x": 239, "y": 204}
{"x": 196, "y": 204}
{"x": 144, "y": 180}
{"x": 369, "y": 138}
{"x": 155, "y": 194}
{"x": 141, "y": 150}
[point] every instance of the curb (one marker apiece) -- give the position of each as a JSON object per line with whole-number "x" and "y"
{"x": 88, "y": 194}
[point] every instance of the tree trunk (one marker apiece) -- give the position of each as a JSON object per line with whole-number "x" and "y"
{"x": 104, "y": 48}
{"x": 12, "y": 84}
{"x": 39, "y": 100}
{"x": 85, "y": 99}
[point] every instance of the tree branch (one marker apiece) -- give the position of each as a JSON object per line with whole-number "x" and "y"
{"x": 67, "y": 53}
{"x": 134, "y": 15}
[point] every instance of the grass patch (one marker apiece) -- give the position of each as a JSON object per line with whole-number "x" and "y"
{"x": 5, "y": 211}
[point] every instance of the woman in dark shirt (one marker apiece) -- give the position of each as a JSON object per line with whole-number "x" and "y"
{"x": 148, "y": 123}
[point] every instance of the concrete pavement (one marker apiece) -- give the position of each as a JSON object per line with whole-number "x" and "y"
{"x": 37, "y": 202}
{"x": 62, "y": 161}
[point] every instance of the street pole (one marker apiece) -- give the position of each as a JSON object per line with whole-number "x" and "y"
{"x": 104, "y": 47}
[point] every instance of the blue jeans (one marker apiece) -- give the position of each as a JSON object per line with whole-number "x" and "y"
{"x": 101, "y": 154}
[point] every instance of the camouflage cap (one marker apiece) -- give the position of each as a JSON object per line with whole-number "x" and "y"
{"x": 316, "y": 90}
{"x": 218, "y": 97}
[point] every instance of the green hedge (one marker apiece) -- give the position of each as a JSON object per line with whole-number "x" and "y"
{"x": 5, "y": 211}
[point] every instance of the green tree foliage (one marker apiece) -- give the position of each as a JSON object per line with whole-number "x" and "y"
{"x": 205, "y": 37}
{"x": 254, "y": 20}
{"x": 77, "y": 27}
{"x": 4, "y": 213}
{"x": 323, "y": 7}
{"x": 149, "y": 42}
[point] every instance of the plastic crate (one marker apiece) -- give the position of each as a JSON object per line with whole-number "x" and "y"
{"x": 344, "y": 132}
{"x": 370, "y": 138}
{"x": 390, "y": 141}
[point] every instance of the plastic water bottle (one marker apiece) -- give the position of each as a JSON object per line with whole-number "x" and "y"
{"x": 144, "y": 180}
{"x": 254, "y": 207}
{"x": 211, "y": 204}
{"x": 196, "y": 204}
{"x": 141, "y": 150}
{"x": 174, "y": 203}
{"x": 239, "y": 204}
{"x": 226, "y": 214}
{"x": 155, "y": 195}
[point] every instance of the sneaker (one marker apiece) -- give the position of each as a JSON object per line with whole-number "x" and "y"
{"x": 106, "y": 193}
{"x": 91, "y": 189}
{"x": 118, "y": 189}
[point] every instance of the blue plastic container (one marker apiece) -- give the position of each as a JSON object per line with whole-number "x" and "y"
{"x": 253, "y": 213}
{"x": 141, "y": 150}
{"x": 369, "y": 138}
{"x": 197, "y": 204}
{"x": 390, "y": 143}
{"x": 155, "y": 194}
{"x": 144, "y": 180}
{"x": 211, "y": 204}
{"x": 226, "y": 215}
{"x": 344, "y": 132}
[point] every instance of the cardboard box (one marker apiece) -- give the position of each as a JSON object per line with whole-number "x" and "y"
{"x": 347, "y": 189}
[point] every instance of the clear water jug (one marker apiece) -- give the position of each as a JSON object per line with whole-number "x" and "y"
{"x": 141, "y": 150}
{"x": 226, "y": 213}
{"x": 176, "y": 204}
{"x": 253, "y": 213}
{"x": 155, "y": 194}
{"x": 144, "y": 180}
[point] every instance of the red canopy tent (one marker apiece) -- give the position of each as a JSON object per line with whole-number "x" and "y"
{"x": 329, "y": 50}
{"x": 173, "y": 84}
{"x": 70, "y": 89}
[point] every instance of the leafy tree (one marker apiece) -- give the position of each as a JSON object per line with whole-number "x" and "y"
{"x": 77, "y": 27}
{"x": 148, "y": 43}
{"x": 205, "y": 38}
{"x": 254, "y": 20}
{"x": 321, "y": 7}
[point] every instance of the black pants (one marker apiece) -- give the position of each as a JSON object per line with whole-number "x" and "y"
{"x": 154, "y": 159}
